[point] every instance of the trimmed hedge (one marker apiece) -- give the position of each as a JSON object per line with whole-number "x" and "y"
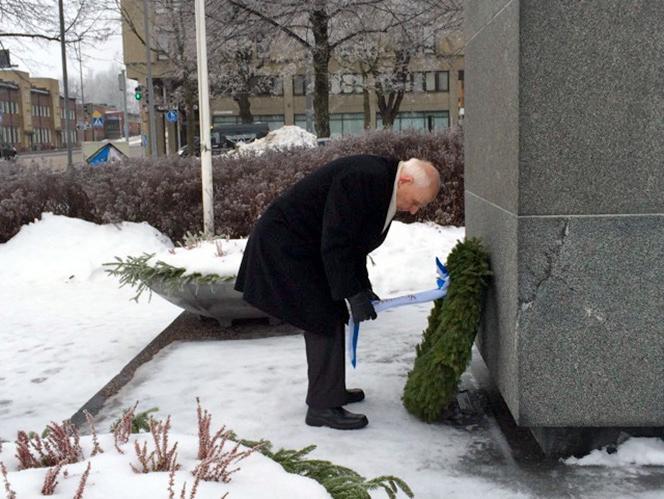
{"x": 447, "y": 343}
{"x": 166, "y": 192}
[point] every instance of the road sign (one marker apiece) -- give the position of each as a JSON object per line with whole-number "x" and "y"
{"x": 98, "y": 122}
{"x": 96, "y": 114}
{"x": 172, "y": 116}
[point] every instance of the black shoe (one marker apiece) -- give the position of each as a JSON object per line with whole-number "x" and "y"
{"x": 354, "y": 395}
{"x": 335, "y": 417}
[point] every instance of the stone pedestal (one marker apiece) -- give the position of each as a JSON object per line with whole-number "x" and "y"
{"x": 564, "y": 140}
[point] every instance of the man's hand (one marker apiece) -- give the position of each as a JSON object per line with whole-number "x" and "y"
{"x": 361, "y": 307}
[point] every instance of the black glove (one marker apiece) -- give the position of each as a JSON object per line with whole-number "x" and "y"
{"x": 361, "y": 308}
{"x": 373, "y": 296}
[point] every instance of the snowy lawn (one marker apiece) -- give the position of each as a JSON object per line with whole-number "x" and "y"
{"x": 66, "y": 330}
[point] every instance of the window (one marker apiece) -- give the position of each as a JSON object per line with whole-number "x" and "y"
{"x": 422, "y": 120}
{"x": 340, "y": 123}
{"x": 442, "y": 81}
{"x": 273, "y": 121}
{"x": 299, "y": 85}
{"x": 417, "y": 82}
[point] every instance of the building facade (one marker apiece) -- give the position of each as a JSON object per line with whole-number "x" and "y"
{"x": 32, "y": 116}
{"x": 433, "y": 99}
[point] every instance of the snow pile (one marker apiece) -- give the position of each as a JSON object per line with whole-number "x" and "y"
{"x": 221, "y": 257}
{"x": 282, "y": 138}
{"x": 632, "y": 452}
{"x": 58, "y": 248}
{"x": 111, "y": 475}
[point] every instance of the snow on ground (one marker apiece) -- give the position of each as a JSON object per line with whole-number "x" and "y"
{"x": 67, "y": 329}
{"x": 281, "y": 138}
{"x": 111, "y": 476}
{"x": 635, "y": 451}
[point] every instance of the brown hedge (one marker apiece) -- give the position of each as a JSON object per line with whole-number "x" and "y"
{"x": 166, "y": 192}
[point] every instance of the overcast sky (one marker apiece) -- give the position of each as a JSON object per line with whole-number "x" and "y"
{"x": 43, "y": 59}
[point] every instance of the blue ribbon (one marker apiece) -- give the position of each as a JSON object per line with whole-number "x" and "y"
{"x": 443, "y": 282}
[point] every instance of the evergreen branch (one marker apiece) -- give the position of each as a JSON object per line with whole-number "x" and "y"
{"x": 136, "y": 272}
{"x": 339, "y": 481}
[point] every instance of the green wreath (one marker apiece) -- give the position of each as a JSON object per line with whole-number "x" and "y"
{"x": 447, "y": 342}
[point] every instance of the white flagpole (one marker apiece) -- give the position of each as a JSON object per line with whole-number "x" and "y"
{"x": 204, "y": 115}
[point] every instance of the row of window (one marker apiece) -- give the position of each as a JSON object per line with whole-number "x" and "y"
{"x": 10, "y": 135}
{"x": 72, "y": 137}
{"x": 41, "y": 136}
{"x": 70, "y": 112}
{"x": 8, "y": 107}
{"x": 419, "y": 81}
{"x": 41, "y": 111}
{"x": 353, "y": 123}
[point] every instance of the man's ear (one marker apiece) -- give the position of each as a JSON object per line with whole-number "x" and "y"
{"x": 405, "y": 179}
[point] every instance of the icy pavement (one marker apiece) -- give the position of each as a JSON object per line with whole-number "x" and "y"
{"x": 257, "y": 387}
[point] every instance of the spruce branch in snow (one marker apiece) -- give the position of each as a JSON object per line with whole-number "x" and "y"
{"x": 136, "y": 272}
{"x": 339, "y": 481}
{"x": 82, "y": 483}
{"x": 51, "y": 480}
{"x": 96, "y": 447}
{"x": 8, "y": 490}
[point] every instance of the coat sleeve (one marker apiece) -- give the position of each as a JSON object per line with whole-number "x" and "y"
{"x": 343, "y": 223}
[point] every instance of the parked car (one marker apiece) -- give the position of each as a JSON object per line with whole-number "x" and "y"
{"x": 225, "y": 137}
{"x": 8, "y": 152}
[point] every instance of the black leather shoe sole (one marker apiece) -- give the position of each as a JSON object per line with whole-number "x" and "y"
{"x": 338, "y": 420}
{"x": 354, "y": 395}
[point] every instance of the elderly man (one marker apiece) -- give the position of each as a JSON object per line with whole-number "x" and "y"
{"x": 307, "y": 255}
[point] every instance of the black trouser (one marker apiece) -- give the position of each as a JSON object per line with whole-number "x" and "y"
{"x": 326, "y": 368}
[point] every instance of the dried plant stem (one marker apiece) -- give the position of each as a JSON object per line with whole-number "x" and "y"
{"x": 81, "y": 484}
{"x": 8, "y": 490}
{"x": 95, "y": 441}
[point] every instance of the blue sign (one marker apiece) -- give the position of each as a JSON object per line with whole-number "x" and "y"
{"x": 172, "y": 116}
{"x": 98, "y": 122}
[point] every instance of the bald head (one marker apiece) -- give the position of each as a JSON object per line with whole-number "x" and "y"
{"x": 417, "y": 186}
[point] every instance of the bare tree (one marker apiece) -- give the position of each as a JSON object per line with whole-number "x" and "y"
{"x": 384, "y": 56}
{"x": 247, "y": 53}
{"x": 38, "y": 19}
{"x": 320, "y": 27}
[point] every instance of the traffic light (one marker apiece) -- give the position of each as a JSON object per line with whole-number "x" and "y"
{"x": 138, "y": 92}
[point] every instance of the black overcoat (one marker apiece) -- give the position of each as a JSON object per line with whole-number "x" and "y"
{"x": 308, "y": 250}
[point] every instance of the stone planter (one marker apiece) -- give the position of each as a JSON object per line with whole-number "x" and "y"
{"x": 216, "y": 300}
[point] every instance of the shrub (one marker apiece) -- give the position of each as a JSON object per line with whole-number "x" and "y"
{"x": 166, "y": 192}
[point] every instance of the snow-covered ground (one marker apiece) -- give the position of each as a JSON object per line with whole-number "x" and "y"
{"x": 66, "y": 329}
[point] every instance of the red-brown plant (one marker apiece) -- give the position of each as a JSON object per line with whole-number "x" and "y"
{"x": 8, "y": 490}
{"x": 216, "y": 462}
{"x": 161, "y": 458}
{"x": 95, "y": 441}
{"x": 83, "y": 482}
{"x": 122, "y": 430}
{"x": 61, "y": 444}
{"x": 51, "y": 480}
